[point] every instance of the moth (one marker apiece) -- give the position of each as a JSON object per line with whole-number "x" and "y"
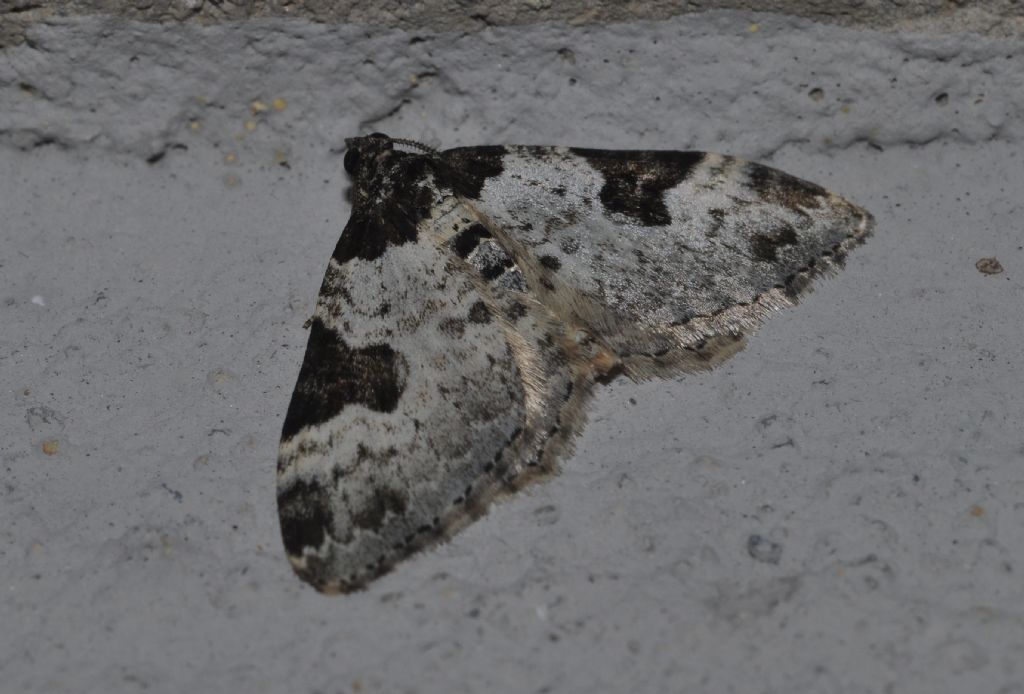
{"x": 478, "y": 295}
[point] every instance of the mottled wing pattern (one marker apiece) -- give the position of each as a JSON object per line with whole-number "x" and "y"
{"x": 668, "y": 258}
{"x": 477, "y": 295}
{"x": 430, "y": 382}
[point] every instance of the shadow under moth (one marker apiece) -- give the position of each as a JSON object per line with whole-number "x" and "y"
{"x": 476, "y": 297}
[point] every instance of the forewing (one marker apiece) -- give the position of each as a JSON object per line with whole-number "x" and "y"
{"x": 669, "y": 258}
{"x": 421, "y": 394}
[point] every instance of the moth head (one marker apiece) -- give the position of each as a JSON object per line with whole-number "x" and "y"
{"x": 365, "y": 149}
{"x": 369, "y": 148}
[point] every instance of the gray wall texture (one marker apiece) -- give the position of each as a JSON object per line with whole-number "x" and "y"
{"x": 994, "y": 17}
{"x": 839, "y": 508}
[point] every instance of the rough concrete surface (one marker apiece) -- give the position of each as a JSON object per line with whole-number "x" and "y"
{"x": 837, "y": 509}
{"x": 992, "y": 17}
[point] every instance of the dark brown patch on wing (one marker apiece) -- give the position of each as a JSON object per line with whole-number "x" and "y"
{"x": 334, "y": 375}
{"x": 304, "y": 509}
{"x": 384, "y": 501}
{"x": 550, "y": 262}
{"x": 516, "y": 311}
{"x": 468, "y": 239}
{"x": 470, "y": 167}
{"x": 479, "y": 313}
{"x": 402, "y": 180}
{"x": 789, "y": 191}
{"x": 635, "y": 181}
{"x": 764, "y": 246}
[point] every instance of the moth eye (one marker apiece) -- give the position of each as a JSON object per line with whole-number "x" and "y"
{"x": 379, "y": 136}
{"x": 352, "y": 161}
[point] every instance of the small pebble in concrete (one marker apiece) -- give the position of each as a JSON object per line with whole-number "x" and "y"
{"x": 989, "y": 266}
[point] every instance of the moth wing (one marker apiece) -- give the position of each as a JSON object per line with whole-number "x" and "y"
{"x": 416, "y": 402}
{"x": 669, "y": 258}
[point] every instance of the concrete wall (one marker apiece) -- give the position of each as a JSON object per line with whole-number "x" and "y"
{"x": 838, "y": 508}
{"x": 993, "y": 17}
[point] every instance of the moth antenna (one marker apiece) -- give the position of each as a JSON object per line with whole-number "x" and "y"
{"x": 414, "y": 145}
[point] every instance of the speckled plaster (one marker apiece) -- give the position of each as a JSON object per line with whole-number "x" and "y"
{"x": 837, "y": 509}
